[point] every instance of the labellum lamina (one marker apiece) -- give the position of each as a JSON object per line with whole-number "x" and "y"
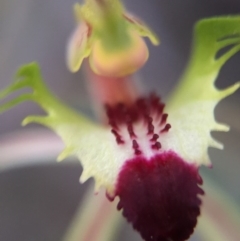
{"x": 158, "y": 190}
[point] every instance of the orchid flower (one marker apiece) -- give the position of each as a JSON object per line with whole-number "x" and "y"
{"x": 148, "y": 154}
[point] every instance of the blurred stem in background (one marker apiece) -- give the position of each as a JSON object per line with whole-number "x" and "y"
{"x": 96, "y": 219}
{"x": 220, "y": 219}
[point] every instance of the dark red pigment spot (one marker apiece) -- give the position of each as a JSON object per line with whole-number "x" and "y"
{"x": 147, "y": 110}
{"x": 160, "y": 196}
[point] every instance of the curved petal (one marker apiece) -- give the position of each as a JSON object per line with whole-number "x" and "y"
{"x": 78, "y": 47}
{"x": 191, "y": 106}
{"x": 142, "y": 29}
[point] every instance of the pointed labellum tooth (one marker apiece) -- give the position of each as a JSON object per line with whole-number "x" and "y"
{"x": 221, "y": 127}
{"x": 97, "y": 186}
{"x": 216, "y": 144}
{"x": 84, "y": 177}
{"x": 64, "y": 154}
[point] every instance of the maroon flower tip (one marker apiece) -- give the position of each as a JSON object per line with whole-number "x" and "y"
{"x": 160, "y": 196}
